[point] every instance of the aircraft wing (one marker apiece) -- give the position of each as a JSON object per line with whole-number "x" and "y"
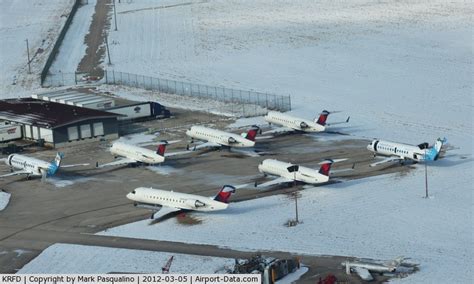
{"x": 165, "y": 211}
{"x": 278, "y": 130}
{"x": 124, "y": 161}
{"x": 338, "y": 122}
{"x": 15, "y": 173}
{"x": 74, "y": 165}
{"x": 204, "y": 145}
{"x": 245, "y": 152}
{"x": 389, "y": 159}
{"x": 178, "y": 153}
{"x": 363, "y": 273}
{"x": 274, "y": 182}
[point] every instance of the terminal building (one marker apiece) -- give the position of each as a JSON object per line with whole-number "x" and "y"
{"x": 55, "y": 124}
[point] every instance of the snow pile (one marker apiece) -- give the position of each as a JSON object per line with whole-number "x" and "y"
{"x": 66, "y": 258}
{"x": 60, "y": 182}
{"x": 4, "y": 199}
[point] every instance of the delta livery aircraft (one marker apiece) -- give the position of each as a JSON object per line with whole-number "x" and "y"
{"x": 134, "y": 154}
{"x": 292, "y": 123}
{"x": 156, "y": 199}
{"x": 30, "y": 166}
{"x": 218, "y": 138}
{"x": 402, "y": 152}
{"x": 288, "y": 173}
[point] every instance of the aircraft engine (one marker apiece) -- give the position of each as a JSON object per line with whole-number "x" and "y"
{"x": 195, "y": 203}
{"x": 231, "y": 140}
{"x": 303, "y": 125}
{"x": 424, "y": 145}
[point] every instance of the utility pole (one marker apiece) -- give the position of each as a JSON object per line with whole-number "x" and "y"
{"x": 107, "y": 45}
{"x": 296, "y": 197}
{"x": 115, "y": 16}
{"x": 28, "y": 52}
{"x": 426, "y": 176}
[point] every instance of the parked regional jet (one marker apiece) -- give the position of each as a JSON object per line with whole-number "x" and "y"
{"x": 218, "y": 138}
{"x": 30, "y": 166}
{"x": 155, "y": 199}
{"x": 287, "y": 172}
{"x": 135, "y": 154}
{"x": 291, "y": 123}
{"x": 403, "y": 152}
{"x": 363, "y": 269}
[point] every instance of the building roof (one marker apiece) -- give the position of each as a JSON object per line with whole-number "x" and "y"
{"x": 47, "y": 114}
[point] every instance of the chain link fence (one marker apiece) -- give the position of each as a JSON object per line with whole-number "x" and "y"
{"x": 226, "y": 95}
{"x": 216, "y": 100}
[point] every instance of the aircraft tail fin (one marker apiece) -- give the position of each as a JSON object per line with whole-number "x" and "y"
{"x": 160, "y": 150}
{"x": 433, "y": 153}
{"x": 225, "y": 193}
{"x": 252, "y": 133}
{"x": 54, "y": 166}
{"x": 323, "y": 116}
{"x": 326, "y": 167}
{"x": 57, "y": 160}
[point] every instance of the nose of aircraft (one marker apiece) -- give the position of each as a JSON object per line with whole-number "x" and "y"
{"x": 370, "y": 147}
{"x": 130, "y": 196}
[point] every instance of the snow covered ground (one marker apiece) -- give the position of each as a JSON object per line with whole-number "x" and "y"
{"x": 40, "y": 22}
{"x": 66, "y": 258}
{"x": 185, "y": 102}
{"x": 4, "y": 199}
{"x": 402, "y": 70}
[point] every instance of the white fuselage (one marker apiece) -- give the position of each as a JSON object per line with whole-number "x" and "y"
{"x": 150, "y": 196}
{"x": 371, "y": 266}
{"x": 219, "y": 137}
{"x": 293, "y": 122}
{"x": 304, "y": 174}
{"x": 139, "y": 154}
{"x": 404, "y": 151}
{"x": 34, "y": 165}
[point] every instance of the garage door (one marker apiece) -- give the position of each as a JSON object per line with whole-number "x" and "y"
{"x": 35, "y": 132}
{"x": 86, "y": 131}
{"x": 72, "y": 133}
{"x": 46, "y": 134}
{"x": 28, "y": 131}
{"x": 98, "y": 129}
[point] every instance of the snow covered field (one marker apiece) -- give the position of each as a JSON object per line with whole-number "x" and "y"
{"x": 40, "y": 22}
{"x": 4, "y": 199}
{"x": 402, "y": 70}
{"x": 66, "y": 258}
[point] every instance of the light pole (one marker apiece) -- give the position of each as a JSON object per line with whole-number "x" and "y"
{"x": 296, "y": 200}
{"x": 28, "y": 52}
